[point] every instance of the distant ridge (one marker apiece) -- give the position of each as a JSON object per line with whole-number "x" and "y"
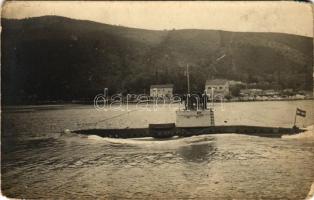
{"x": 56, "y": 17}
{"x": 58, "y": 58}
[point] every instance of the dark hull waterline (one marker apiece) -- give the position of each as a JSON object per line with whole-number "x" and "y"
{"x": 169, "y": 130}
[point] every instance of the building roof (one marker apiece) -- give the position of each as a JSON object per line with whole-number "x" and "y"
{"x": 232, "y": 82}
{"x": 216, "y": 82}
{"x": 162, "y": 86}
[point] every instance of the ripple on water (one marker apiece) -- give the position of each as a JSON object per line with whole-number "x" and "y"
{"x": 45, "y": 165}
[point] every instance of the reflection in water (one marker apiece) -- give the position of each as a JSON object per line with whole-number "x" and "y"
{"x": 197, "y": 152}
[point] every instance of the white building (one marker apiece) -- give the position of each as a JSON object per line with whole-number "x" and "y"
{"x": 219, "y": 86}
{"x": 251, "y": 92}
{"x": 165, "y": 90}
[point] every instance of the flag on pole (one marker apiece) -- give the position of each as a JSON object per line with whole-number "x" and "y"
{"x": 301, "y": 113}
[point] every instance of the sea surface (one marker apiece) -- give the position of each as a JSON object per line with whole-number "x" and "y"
{"x": 39, "y": 160}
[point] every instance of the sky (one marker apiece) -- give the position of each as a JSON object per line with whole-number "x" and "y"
{"x": 283, "y": 17}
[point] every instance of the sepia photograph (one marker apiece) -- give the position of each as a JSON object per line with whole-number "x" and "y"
{"x": 157, "y": 100}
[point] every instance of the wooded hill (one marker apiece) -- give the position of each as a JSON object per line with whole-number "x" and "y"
{"x": 57, "y": 58}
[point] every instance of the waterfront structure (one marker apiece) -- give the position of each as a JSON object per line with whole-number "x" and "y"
{"x": 219, "y": 86}
{"x": 270, "y": 92}
{"x": 251, "y": 92}
{"x": 163, "y": 90}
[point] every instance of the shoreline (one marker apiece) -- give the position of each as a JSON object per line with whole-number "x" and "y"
{"x": 82, "y": 103}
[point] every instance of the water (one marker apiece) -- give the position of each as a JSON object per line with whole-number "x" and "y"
{"x": 38, "y": 161}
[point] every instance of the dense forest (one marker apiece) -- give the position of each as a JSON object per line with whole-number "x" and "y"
{"x": 56, "y": 58}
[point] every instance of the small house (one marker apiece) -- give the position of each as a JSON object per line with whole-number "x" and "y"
{"x": 218, "y": 86}
{"x": 164, "y": 90}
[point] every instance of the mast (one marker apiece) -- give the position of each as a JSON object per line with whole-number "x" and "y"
{"x": 188, "y": 77}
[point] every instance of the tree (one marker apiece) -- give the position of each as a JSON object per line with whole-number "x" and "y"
{"x": 235, "y": 90}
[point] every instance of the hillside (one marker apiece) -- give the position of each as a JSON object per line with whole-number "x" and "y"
{"x": 57, "y": 58}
